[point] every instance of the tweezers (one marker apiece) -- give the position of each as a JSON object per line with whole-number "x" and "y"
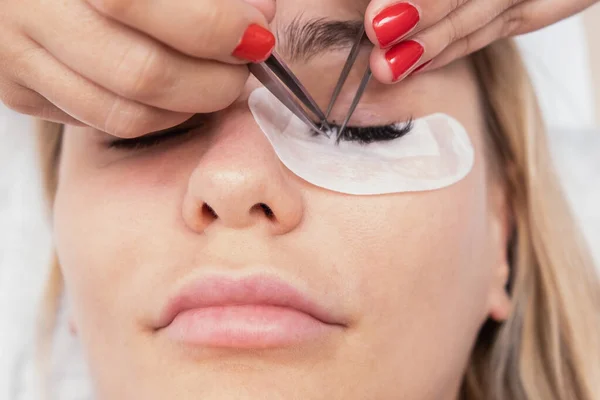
{"x": 344, "y": 76}
{"x": 278, "y": 78}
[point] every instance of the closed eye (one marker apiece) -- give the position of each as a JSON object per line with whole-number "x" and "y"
{"x": 147, "y": 141}
{"x": 362, "y": 135}
{"x": 155, "y": 139}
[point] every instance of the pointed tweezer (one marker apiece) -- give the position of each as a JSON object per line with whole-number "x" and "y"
{"x": 361, "y": 90}
{"x": 346, "y": 71}
{"x": 281, "y": 70}
{"x": 268, "y": 78}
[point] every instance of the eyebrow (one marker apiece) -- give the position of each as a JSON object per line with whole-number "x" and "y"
{"x": 303, "y": 39}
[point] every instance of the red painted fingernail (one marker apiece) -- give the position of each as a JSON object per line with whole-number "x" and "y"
{"x": 256, "y": 44}
{"x": 394, "y": 22}
{"x": 421, "y": 67}
{"x": 403, "y": 56}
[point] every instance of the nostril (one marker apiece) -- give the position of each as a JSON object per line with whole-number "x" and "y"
{"x": 209, "y": 212}
{"x": 267, "y": 210}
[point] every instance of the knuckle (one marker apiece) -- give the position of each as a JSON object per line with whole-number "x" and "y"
{"x": 22, "y": 63}
{"x": 456, "y": 29}
{"x": 124, "y": 119}
{"x": 48, "y": 111}
{"x": 467, "y": 46}
{"x": 142, "y": 74}
{"x": 514, "y": 22}
{"x": 18, "y": 100}
{"x": 455, "y": 4}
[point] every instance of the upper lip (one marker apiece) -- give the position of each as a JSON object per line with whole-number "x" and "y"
{"x": 219, "y": 290}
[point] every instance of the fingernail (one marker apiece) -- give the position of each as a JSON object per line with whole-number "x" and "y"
{"x": 421, "y": 67}
{"x": 394, "y": 22}
{"x": 403, "y": 56}
{"x": 256, "y": 44}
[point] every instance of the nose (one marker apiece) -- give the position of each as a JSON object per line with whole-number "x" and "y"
{"x": 239, "y": 183}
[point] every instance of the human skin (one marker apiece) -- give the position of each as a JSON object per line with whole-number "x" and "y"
{"x": 414, "y": 276}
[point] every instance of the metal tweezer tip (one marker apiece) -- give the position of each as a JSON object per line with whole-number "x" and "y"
{"x": 359, "y": 93}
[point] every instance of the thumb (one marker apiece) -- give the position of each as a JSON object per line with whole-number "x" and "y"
{"x": 267, "y": 7}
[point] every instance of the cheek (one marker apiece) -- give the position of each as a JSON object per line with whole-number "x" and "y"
{"x": 419, "y": 264}
{"x": 435, "y": 246}
{"x": 107, "y": 225}
{"x": 424, "y": 248}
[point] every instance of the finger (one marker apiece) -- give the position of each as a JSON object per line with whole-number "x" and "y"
{"x": 536, "y": 14}
{"x": 398, "y": 62}
{"x": 500, "y": 28}
{"x": 388, "y": 22}
{"x": 266, "y": 7}
{"x": 224, "y": 30}
{"x": 523, "y": 18}
{"x": 394, "y": 64}
{"x": 135, "y": 66}
{"x": 86, "y": 101}
{"x": 17, "y": 97}
{"x": 26, "y": 101}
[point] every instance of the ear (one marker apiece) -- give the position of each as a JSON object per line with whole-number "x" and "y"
{"x": 501, "y": 229}
{"x": 500, "y": 304}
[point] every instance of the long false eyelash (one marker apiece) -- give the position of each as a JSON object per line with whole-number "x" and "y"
{"x": 371, "y": 134}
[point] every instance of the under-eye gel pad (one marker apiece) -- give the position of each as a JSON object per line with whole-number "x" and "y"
{"x": 434, "y": 154}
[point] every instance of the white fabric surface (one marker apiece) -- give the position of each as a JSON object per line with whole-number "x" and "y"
{"x": 557, "y": 58}
{"x": 24, "y": 244}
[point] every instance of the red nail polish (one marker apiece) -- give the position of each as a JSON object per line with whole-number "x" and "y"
{"x": 421, "y": 67}
{"x": 256, "y": 44}
{"x": 403, "y": 56}
{"x": 394, "y": 22}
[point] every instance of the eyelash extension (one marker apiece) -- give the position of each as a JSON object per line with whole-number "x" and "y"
{"x": 371, "y": 134}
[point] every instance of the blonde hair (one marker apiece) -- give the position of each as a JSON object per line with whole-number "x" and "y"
{"x": 549, "y": 348}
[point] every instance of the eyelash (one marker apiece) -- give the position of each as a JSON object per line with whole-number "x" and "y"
{"x": 361, "y": 135}
{"x": 371, "y": 134}
{"x": 148, "y": 141}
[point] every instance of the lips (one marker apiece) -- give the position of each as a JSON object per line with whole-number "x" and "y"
{"x": 255, "y": 312}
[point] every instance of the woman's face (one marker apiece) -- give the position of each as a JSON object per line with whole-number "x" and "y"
{"x": 408, "y": 278}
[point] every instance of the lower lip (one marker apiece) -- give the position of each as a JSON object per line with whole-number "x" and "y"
{"x": 246, "y": 327}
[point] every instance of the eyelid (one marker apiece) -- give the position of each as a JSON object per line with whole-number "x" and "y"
{"x": 151, "y": 140}
{"x": 198, "y": 121}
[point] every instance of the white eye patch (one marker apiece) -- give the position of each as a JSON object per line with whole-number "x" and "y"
{"x": 434, "y": 154}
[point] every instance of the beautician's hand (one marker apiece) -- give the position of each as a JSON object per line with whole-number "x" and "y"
{"x": 428, "y": 34}
{"x": 128, "y": 67}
